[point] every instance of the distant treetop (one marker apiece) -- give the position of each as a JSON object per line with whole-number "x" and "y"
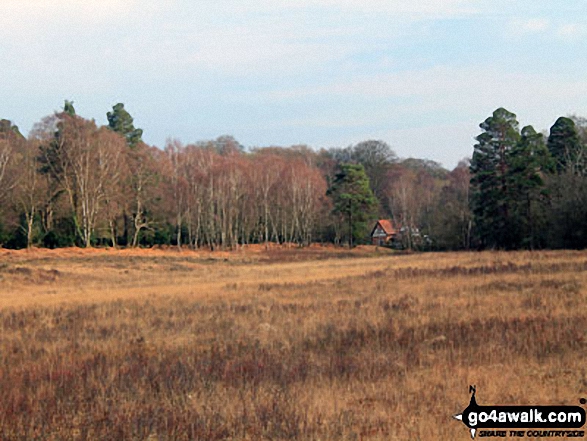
{"x": 68, "y": 108}
{"x": 120, "y": 121}
{"x": 7, "y": 128}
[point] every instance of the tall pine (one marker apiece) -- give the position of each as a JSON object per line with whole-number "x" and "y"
{"x": 121, "y": 122}
{"x": 491, "y": 199}
{"x": 353, "y": 199}
{"x": 530, "y": 162}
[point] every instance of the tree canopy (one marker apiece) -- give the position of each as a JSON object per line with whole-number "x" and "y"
{"x": 490, "y": 165}
{"x": 352, "y": 198}
{"x": 566, "y": 147}
{"x": 74, "y": 182}
{"x": 120, "y": 121}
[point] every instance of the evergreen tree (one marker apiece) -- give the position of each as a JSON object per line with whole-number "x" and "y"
{"x": 353, "y": 199}
{"x": 68, "y": 108}
{"x": 530, "y": 161}
{"x": 565, "y": 146}
{"x": 491, "y": 204}
{"x": 121, "y": 122}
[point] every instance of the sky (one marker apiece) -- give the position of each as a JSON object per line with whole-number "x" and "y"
{"x": 419, "y": 75}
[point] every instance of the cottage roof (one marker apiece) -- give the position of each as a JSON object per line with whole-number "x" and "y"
{"x": 386, "y": 225}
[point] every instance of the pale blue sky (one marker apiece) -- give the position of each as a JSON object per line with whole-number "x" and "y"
{"x": 420, "y": 75}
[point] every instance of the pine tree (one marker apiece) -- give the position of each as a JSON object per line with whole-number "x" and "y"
{"x": 530, "y": 161}
{"x": 353, "y": 199}
{"x": 491, "y": 204}
{"x": 68, "y": 108}
{"x": 121, "y": 122}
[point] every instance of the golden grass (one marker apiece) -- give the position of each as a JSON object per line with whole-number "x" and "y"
{"x": 281, "y": 344}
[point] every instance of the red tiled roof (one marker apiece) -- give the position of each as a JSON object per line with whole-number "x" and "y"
{"x": 387, "y": 226}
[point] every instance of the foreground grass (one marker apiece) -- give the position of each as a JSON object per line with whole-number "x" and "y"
{"x": 359, "y": 348}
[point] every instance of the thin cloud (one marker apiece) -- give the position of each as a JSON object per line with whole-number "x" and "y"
{"x": 572, "y": 31}
{"x": 461, "y": 90}
{"x": 313, "y": 70}
{"x": 231, "y": 37}
{"x": 529, "y": 26}
{"x": 20, "y": 15}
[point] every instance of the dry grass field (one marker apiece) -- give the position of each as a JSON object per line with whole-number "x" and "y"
{"x": 282, "y": 344}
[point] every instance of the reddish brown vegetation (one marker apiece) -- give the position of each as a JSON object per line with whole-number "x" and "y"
{"x": 388, "y": 353}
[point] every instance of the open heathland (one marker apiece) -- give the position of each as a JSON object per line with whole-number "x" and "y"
{"x": 310, "y": 344}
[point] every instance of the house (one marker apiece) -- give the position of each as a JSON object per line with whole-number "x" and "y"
{"x": 383, "y": 233}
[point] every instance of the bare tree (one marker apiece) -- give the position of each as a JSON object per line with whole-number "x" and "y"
{"x": 30, "y": 191}
{"x": 112, "y": 167}
{"x": 175, "y": 171}
{"x": 141, "y": 186}
{"x": 269, "y": 170}
{"x": 8, "y": 139}
{"x": 83, "y": 159}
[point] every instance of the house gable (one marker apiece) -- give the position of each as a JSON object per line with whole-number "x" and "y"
{"x": 382, "y": 232}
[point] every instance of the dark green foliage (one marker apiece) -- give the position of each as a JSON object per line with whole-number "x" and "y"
{"x": 68, "y": 108}
{"x": 526, "y": 194}
{"x": 12, "y": 237}
{"x": 163, "y": 234}
{"x": 51, "y": 240}
{"x": 49, "y": 158}
{"x": 567, "y": 213}
{"x": 491, "y": 201}
{"x": 62, "y": 235}
{"x": 353, "y": 199}
{"x": 568, "y": 188}
{"x": 121, "y": 122}
{"x": 374, "y": 155}
{"x": 4, "y": 234}
{"x": 54, "y": 163}
{"x": 530, "y": 161}
{"x": 522, "y": 191}
{"x": 565, "y": 146}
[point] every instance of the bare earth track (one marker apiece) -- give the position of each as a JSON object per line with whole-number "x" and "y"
{"x": 282, "y": 343}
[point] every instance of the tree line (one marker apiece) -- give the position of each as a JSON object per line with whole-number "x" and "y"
{"x": 529, "y": 190}
{"x": 72, "y": 182}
